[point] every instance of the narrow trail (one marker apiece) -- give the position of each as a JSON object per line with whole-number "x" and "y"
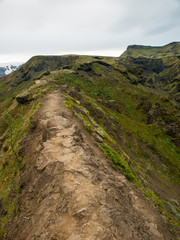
{"x": 71, "y": 192}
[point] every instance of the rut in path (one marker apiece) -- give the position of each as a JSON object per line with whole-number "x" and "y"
{"x": 71, "y": 192}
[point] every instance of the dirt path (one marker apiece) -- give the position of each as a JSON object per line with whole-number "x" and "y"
{"x": 71, "y": 192}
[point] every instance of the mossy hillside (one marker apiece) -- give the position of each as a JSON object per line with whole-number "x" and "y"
{"x": 105, "y": 141}
{"x": 88, "y": 59}
{"x": 40, "y": 64}
{"x": 151, "y": 135}
{"x": 32, "y": 91}
{"x": 127, "y": 96}
{"x": 15, "y": 82}
{"x": 36, "y": 67}
{"x": 137, "y": 164}
{"x": 10, "y": 161}
{"x": 142, "y": 143}
{"x": 129, "y": 167}
{"x": 171, "y": 49}
{"x": 156, "y": 67}
{"x": 15, "y": 121}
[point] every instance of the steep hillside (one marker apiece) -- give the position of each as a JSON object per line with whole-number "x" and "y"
{"x": 130, "y": 108}
{"x": 169, "y": 50}
{"x": 157, "y": 67}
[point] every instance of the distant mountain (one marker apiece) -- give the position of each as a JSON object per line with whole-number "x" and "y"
{"x": 169, "y": 50}
{"x": 155, "y": 67}
{"x": 6, "y": 68}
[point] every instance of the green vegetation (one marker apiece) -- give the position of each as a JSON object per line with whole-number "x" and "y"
{"x": 15, "y": 124}
{"x": 10, "y": 161}
{"x": 118, "y": 161}
{"x": 169, "y": 50}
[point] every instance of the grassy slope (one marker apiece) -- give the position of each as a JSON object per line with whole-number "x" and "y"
{"x": 15, "y": 122}
{"x": 168, "y": 50}
{"x": 142, "y": 151}
{"x": 157, "y": 67}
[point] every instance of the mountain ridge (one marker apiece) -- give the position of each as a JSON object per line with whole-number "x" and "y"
{"x": 128, "y": 106}
{"x": 82, "y": 196}
{"x": 171, "y": 49}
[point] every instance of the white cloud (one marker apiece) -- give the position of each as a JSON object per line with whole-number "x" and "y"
{"x": 34, "y": 27}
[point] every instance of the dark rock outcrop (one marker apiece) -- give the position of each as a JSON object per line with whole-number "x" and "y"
{"x": 112, "y": 104}
{"x": 24, "y": 98}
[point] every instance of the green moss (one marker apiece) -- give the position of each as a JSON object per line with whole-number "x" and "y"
{"x": 118, "y": 161}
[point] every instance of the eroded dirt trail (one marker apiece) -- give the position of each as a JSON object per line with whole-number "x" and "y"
{"x": 71, "y": 192}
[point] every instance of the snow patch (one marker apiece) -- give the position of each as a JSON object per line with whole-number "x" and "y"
{"x": 10, "y": 67}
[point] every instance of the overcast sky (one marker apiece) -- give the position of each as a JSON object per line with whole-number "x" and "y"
{"x": 100, "y": 27}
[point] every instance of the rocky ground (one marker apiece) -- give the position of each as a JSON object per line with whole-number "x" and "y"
{"x": 71, "y": 192}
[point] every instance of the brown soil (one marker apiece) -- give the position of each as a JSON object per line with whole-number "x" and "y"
{"x": 71, "y": 192}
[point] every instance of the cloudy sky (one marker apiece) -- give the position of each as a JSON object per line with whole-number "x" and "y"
{"x": 100, "y": 27}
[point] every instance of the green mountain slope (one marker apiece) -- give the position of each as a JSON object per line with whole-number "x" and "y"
{"x": 157, "y": 67}
{"x": 129, "y": 105}
{"x": 168, "y": 50}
